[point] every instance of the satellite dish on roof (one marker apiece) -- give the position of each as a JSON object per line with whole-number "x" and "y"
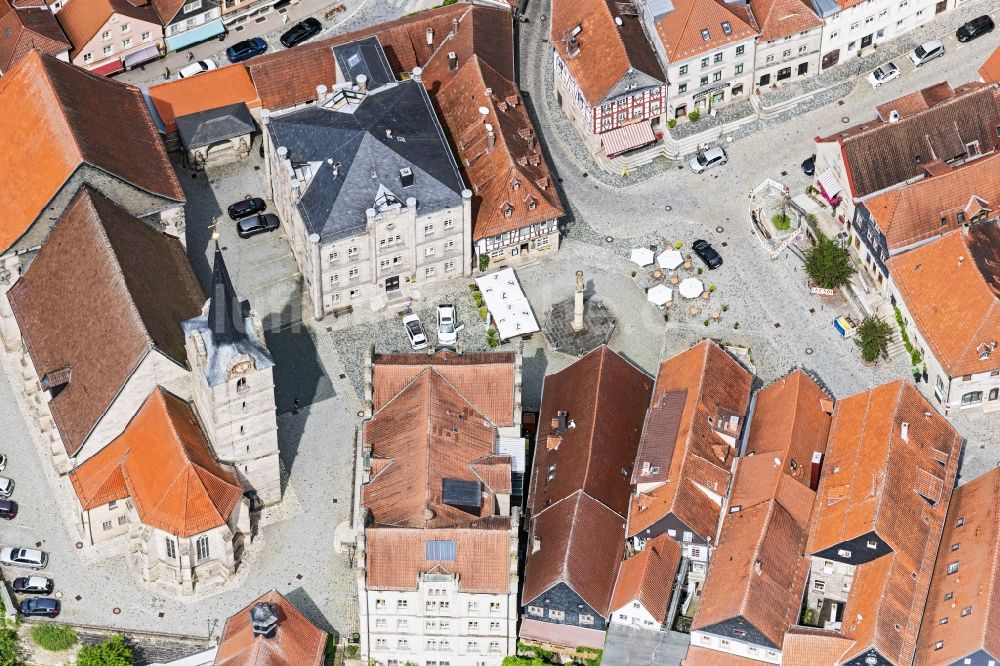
{"x": 483, "y": 110}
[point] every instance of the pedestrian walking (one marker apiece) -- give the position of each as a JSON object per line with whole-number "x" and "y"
{"x": 296, "y": 404}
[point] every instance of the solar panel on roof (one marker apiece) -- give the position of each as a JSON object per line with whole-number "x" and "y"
{"x": 439, "y": 551}
{"x": 461, "y": 493}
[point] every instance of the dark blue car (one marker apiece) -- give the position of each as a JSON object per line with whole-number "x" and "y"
{"x": 40, "y": 606}
{"x": 246, "y": 49}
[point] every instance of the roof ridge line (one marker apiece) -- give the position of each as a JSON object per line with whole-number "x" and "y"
{"x": 603, "y": 351}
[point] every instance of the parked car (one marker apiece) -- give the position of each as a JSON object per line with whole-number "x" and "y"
{"x": 415, "y": 332}
{"x": 195, "y": 68}
{"x": 809, "y": 166}
{"x": 8, "y": 509}
{"x": 23, "y": 557}
{"x": 246, "y": 49}
{"x": 883, "y": 74}
{"x": 39, "y": 607}
{"x": 708, "y": 159}
{"x": 926, "y": 52}
{"x": 447, "y": 330}
{"x": 6, "y": 487}
{"x": 301, "y": 32}
{"x": 977, "y": 27}
{"x": 258, "y": 224}
{"x": 33, "y": 585}
{"x": 3, "y": 462}
{"x": 246, "y": 207}
{"x": 707, "y": 253}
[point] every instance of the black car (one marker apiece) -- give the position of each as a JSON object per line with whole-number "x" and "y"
{"x": 247, "y": 207}
{"x": 977, "y": 27}
{"x": 809, "y": 166}
{"x": 707, "y": 253}
{"x": 33, "y": 585}
{"x": 257, "y": 224}
{"x": 300, "y": 32}
{"x": 8, "y": 509}
{"x": 39, "y": 606}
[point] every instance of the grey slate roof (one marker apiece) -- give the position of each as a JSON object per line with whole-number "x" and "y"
{"x": 353, "y": 160}
{"x": 206, "y": 127}
{"x": 366, "y": 57}
{"x": 226, "y": 328}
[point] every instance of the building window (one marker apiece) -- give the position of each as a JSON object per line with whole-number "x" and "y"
{"x": 125, "y": 27}
{"x": 586, "y": 619}
{"x": 972, "y": 398}
{"x": 704, "y": 80}
{"x": 352, "y": 251}
{"x": 953, "y": 567}
{"x": 966, "y": 611}
{"x": 851, "y": 46}
{"x": 717, "y": 76}
{"x": 687, "y": 537}
{"x": 819, "y": 585}
{"x": 872, "y": 544}
{"x": 106, "y": 525}
{"x": 87, "y": 57}
{"x": 145, "y": 36}
{"x": 428, "y": 229}
{"x": 106, "y": 35}
{"x": 192, "y": 6}
{"x": 353, "y": 273}
{"x": 948, "y": 596}
{"x": 943, "y": 620}
{"x": 739, "y": 69}
{"x": 429, "y": 272}
{"x": 122, "y": 519}
{"x": 126, "y": 42}
{"x": 557, "y": 614}
{"x": 494, "y": 646}
{"x": 939, "y": 645}
{"x": 739, "y": 50}
{"x": 994, "y": 393}
{"x": 786, "y": 53}
{"x": 402, "y": 644}
{"x": 171, "y": 549}
{"x": 672, "y": 533}
{"x": 784, "y": 73}
{"x": 769, "y": 59}
{"x": 846, "y": 554}
{"x": 682, "y": 88}
{"x": 107, "y": 50}
{"x": 473, "y": 626}
{"x": 704, "y": 62}
{"x": 429, "y": 251}
{"x": 717, "y": 58}
{"x": 335, "y": 278}
{"x": 201, "y": 547}
{"x": 449, "y": 224}
{"x": 536, "y": 611}
{"x": 334, "y": 298}
{"x": 384, "y": 263}
{"x": 954, "y": 547}
{"x": 683, "y": 70}
{"x": 402, "y": 603}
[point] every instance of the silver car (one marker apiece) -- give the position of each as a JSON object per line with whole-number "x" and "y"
{"x": 23, "y": 557}
{"x": 447, "y": 330}
{"x": 707, "y": 159}
{"x": 926, "y": 52}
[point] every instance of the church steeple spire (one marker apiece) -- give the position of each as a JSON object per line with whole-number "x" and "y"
{"x": 225, "y": 314}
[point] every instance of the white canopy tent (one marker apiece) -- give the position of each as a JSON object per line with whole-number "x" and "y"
{"x": 660, "y": 295}
{"x": 507, "y": 304}
{"x": 691, "y": 287}
{"x": 642, "y": 256}
{"x": 670, "y": 259}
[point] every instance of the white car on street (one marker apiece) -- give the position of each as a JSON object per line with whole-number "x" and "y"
{"x": 926, "y": 52}
{"x": 6, "y": 487}
{"x": 883, "y": 74}
{"x": 23, "y": 557}
{"x": 415, "y": 332}
{"x": 707, "y": 159}
{"x": 195, "y": 68}
{"x": 447, "y": 329}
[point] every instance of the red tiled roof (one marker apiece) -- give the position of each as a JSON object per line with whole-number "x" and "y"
{"x": 607, "y": 51}
{"x": 128, "y": 283}
{"x": 951, "y": 288}
{"x": 780, "y": 18}
{"x": 395, "y": 557}
{"x": 427, "y": 433}
{"x": 717, "y": 388}
{"x": 163, "y": 462}
{"x": 484, "y": 379}
{"x": 699, "y": 656}
{"x": 990, "y": 71}
{"x": 27, "y": 28}
{"x": 648, "y": 577}
{"x": 64, "y": 117}
{"x": 804, "y": 646}
{"x": 682, "y": 31}
{"x": 210, "y": 90}
{"x": 82, "y": 21}
{"x": 298, "y": 642}
{"x": 872, "y": 480}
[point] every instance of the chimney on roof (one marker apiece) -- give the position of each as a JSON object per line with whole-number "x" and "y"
{"x": 904, "y": 431}
{"x": 563, "y": 421}
{"x": 536, "y": 544}
{"x": 894, "y": 116}
{"x": 263, "y": 620}
{"x": 452, "y": 61}
{"x": 756, "y": 567}
{"x": 321, "y": 94}
{"x": 815, "y": 468}
{"x": 491, "y": 137}
{"x": 417, "y": 73}
{"x": 362, "y": 82}
{"x": 265, "y": 116}
{"x": 406, "y": 176}
{"x": 454, "y": 26}
{"x": 430, "y": 36}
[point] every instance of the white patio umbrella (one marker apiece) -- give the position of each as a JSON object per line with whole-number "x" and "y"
{"x": 670, "y": 259}
{"x": 691, "y": 288}
{"x": 660, "y": 295}
{"x": 642, "y": 256}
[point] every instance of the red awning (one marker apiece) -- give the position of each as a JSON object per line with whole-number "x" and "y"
{"x": 630, "y": 137}
{"x": 109, "y": 68}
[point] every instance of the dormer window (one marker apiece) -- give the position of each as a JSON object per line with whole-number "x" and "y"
{"x": 727, "y": 27}
{"x": 508, "y": 210}
{"x": 54, "y": 382}
{"x": 704, "y": 34}
{"x": 515, "y": 184}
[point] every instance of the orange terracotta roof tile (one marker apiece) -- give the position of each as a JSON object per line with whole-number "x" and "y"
{"x": 699, "y": 656}
{"x": 128, "y": 282}
{"x": 395, "y": 557}
{"x": 990, "y": 71}
{"x": 297, "y": 642}
{"x": 607, "y": 51}
{"x": 85, "y": 19}
{"x": 757, "y": 574}
{"x": 804, "y": 646}
{"x": 717, "y": 389}
{"x": 581, "y": 543}
{"x": 211, "y": 90}
{"x": 915, "y": 102}
{"x": 163, "y": 462}
{"x": 648, "y": 577}
{"x": 484, "y": 379}
{"x": 683, "y": 30}
{"x": 64, "y": 117}
{"x": 871, "y": 482}
{"x": 972, "y": 539}
{"x": 427, "y": 433}
{"x": 951, "y": 288}
{"x": 780, "y": 18}
{"x": 605, "y": 397}
{"x": 26, "y": 28}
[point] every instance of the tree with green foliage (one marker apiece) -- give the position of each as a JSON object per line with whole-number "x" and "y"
{"x": 484, "y": 262}
{"x": 53, "y": 637}
{"x": 873, "y": 338}
{"x": 828, "y": 264}
{"x": 10, "y": 652}
{"x": 112, "y": 652}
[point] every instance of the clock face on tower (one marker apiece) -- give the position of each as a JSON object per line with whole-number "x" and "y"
{"x": 241, "y": 368}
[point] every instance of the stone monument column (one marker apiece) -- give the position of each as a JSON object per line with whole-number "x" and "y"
{"x": 578, "y": 324}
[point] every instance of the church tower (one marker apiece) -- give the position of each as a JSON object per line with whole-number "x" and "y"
{"x": 233, "y": 385}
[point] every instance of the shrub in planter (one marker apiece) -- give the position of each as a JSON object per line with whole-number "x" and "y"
{"x": 781, "y": 222}
{"x": 632, "y": 273}
{"x": 700, "y": 271}
{"x": 53, "y": 637}
{"x": 712, "y": 287}
{"x": 706, "y": 322}
{"x": 483, "y": 312}
{"x": 352, "y": 650}
{"x": 672, "y": 123}
{"x": 694, "y": 116}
